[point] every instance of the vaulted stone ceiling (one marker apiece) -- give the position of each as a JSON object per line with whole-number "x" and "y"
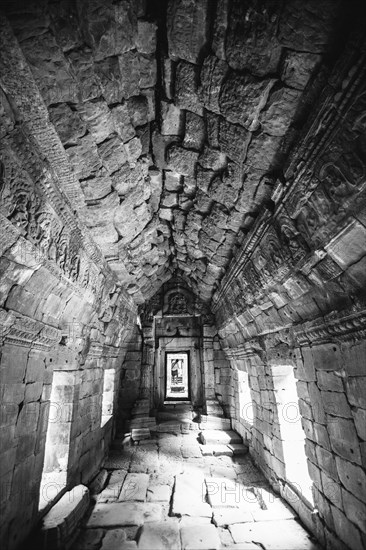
{"x": 177, "y": 119}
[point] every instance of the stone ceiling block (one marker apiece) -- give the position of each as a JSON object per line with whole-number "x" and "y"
{"x": 130, "y": 220}
{"x": 146, "y": 37}
{"x": 64, "y": 25}
{"x": 113, "y": 154}
{"x": 99, "y": 212}
{"x": 297, "y": 68}
{"x": 235, "y": 81}
{"x": 50, "y": 69}
{"x": 171, "y": 119}
{"x": 212, "y": 76}
{"x": 173, "y": 181}
{"x": 97, "y": 187}
{"x": 243, "y": 97}
{"x": 264, "y": 152}
{"x": 129, "y": 177}
{"x": 212, "y": 159}
{"x": 182, "y": 160}
{"x": 187, "y": 28}
{"x": 148, "y": 71}
{"x": 138, "y": 110}
{"x": 308, "y": 27}
{"x": 133, "y": 149}
{"x": 129, "y": 65}
{"x": 194, "y": 131}
{"x": 110, "y": 29}
{"x": 67, "y": 123}
{"x": 109, "y": 76}
{"x": 220, "y": 27}
{"x": 122, "y": 123}
{"x": 280, "y": 111}
{"x": 84, "y": 157}
{"x": 88, "y": 84}
{"x": 251, "y": 42}
{"x": 186, "y": 88}
{"x": 223, "y": 193}
{"x": 98, "y": 119}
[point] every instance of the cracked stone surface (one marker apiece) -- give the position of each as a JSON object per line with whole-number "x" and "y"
{"x": 186, "y": 506}
{"x": 191, "y": 171}
{"x": 99, "y": 81}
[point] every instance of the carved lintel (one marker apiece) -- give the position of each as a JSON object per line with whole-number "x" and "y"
{"x": 344, "y": 328}
{"x": 20, "y": 330}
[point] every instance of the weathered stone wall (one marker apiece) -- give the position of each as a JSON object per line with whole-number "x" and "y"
{"x": 61, "y": 311}
{"x": 293, "y": 301}
{"x": 130, "y": 378}
{"x": 223, "y": 141}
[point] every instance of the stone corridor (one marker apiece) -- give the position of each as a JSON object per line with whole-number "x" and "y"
{"x": 182, "y": 218}
{"x": 172, "y": 492}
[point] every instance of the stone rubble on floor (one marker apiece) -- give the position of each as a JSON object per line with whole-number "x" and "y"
{"x": 186, "y": 499}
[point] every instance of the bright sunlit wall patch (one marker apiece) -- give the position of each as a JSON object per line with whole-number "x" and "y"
{"x": 108, "y": 395}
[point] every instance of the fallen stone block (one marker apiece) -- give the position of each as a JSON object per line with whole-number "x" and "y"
{"x": 140, "y": 433}
{"x": 60, "y": 523}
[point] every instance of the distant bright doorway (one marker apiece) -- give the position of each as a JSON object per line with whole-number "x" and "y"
{"x": 177, "y": 375}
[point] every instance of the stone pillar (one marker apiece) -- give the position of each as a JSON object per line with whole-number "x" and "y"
{"x": 209, "y": 333}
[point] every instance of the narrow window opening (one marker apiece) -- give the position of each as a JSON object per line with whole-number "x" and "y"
{"x": 246, "y": 410}
{"x": 108, "y": 396}
{"x": 292, "y": 433}
{"x": 57, "y": 447}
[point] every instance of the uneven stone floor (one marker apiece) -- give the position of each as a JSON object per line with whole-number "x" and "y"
{"x": 168, "y": 493}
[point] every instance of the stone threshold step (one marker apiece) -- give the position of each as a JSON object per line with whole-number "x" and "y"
{"x": 214, "y": 437}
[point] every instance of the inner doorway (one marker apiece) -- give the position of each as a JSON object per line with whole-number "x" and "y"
{"x": 177, "y": 376}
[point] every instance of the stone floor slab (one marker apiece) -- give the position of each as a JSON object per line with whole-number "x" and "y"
{"x": 160, "y": 536}
{"x": 286, "y": 535}
{"x": 238, "y": 492}
{"x": 114, "y": 486}
{"x": 229, "y": 516}
{"x": 116, "y": 514}
{"x": 158, "y": 493}
{"x": 189, "y": 496}
{"x": 200, "y": 537}
{"x": 118, "y": 460}
{"x": 120, "y": 514}
{"x": 191, "y": 451}
{"x": 113, "y": 539}
{"x": 223, "y": 492}
{"x": 134, "y": 487}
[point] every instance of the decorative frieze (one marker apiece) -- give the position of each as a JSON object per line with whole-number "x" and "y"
{"x": 332, "y": 328}
{"x": 23, "y": 331}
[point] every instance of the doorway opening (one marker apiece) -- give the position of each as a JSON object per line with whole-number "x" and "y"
{"x": 177, "y": 376}
{"x": 57, "y": 447}
{"x": 292, "y": 433}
